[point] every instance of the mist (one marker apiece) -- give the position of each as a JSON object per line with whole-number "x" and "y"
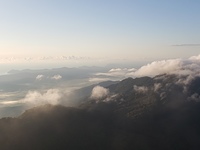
{"x": 147, "y": 106}
{"x": 29, "y": 88}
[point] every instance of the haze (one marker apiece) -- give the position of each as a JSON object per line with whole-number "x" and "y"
{"x": 99, "y": 74}
{"x": 113, "y": 31}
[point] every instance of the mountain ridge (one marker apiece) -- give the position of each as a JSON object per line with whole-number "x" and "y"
{"x": 143, "y": 113}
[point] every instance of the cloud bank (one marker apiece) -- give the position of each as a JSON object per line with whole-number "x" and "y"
{"x": 4, "y": 60}
{"x": 183, "y": 67}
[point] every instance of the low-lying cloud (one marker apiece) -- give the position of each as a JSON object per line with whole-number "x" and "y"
{"x": 42, "y": 59}
{"x": 40, "y": 77}
{"x": 159, "y": 67}
{"x": 43, "y": 77}
{"x": 157, "y": 86}
{"x": 140, "y": 89}
{"x": 98, "y": 79}
{"x": 99, "y": 92}
{"x": 117, "y": 72}
{"x": 182, "y": 67}
{"x": 56, "y": 77}
{"x": 51, "y": 96}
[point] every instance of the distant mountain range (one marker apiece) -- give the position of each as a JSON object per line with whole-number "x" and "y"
{"x": 144, "y": 113}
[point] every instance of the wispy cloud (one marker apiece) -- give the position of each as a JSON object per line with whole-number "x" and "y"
{"x": 39, "y": 77}
{"x": 56, "y": 77}
{"x": 186, "y": 45}
{"x": 42, "y": 58}
{"x": 98, "y": 79}
{"x": 117, "y": 72}
{"x": 140, "y": 89}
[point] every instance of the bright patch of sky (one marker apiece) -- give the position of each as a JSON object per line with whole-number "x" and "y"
{"x": 112, "y": 30}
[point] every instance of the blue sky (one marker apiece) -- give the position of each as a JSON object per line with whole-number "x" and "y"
{"x": 112, "y": 29}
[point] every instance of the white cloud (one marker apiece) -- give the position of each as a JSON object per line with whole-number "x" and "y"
{"x": 159, "y": 67}
{"x": 195, "y": 58}
{"x": 56, "y": 77}
{"x": 99, "y": 92}
{"x": 36, "y": 98}
{"x": 111, "y": 98}
{"x": 40, "y": 77}
{"x": 53, "y": 96}
{"x": 182, "y": 67}
{"x": 9, "y": 102}
{"x": 5, "y": 60}
{"x": 117, "y": 72}
{"x": 140, "y": 89}
{"x": 98, "y": 79}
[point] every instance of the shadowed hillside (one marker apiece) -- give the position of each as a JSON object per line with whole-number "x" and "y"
{"x": 144, "y": 114}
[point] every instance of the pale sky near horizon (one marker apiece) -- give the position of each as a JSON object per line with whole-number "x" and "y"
{"x": 115, "y": 29}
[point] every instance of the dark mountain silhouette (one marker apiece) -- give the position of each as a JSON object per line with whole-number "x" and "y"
{"x": 145, "y": 114}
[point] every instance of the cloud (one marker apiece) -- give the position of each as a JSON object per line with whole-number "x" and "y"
{"x": 102, "y": 94}
{"x": 112, "y": 97}
{"x": 182, "y": 67}
{"x": 9, "y": 102}
{"x": 195, "y": 58}
{"x": 40, "y": 77}
{"x": 140, "y": 89}
{"x": 56, "y": 77}
{"x": 51, "y": 96}
{"x": 98, "y": 79}
{"x": 186, "y": 45}
{"x": 117, "y": 72}
{"x": 157, "y": 86}
{"x": 33, "y": 98}
{"x": 187, "y": 80}
{"x": 99, "y": 92}
{"x": 159, "y": 67}
{"x": 4, "y": 60}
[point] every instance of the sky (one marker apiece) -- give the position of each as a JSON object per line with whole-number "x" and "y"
{"x": 104, "y": 29}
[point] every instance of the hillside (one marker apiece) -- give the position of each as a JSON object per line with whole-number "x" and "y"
{"x": 143, "y": 113}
